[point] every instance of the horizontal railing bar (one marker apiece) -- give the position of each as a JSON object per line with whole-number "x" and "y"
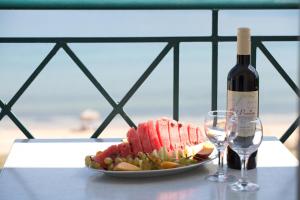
{"x": 149, "y": 5}
{"x": 102, "y": 39}
{"x": 139, "y": 39}
{"x": 277, "y": 38}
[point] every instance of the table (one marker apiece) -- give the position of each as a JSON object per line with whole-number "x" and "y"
{"x": 54, "y": 169}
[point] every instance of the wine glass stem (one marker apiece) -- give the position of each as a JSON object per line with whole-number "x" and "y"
{"x": 220, "y": 162}
{"x": 244, "y": 163}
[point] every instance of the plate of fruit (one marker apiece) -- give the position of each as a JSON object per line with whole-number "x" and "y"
{"x": 155, "y": 148}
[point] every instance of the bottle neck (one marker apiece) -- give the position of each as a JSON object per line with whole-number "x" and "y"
{"x": 243, "y": 60}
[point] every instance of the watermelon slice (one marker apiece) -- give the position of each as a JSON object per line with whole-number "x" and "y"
{"x": 144, "y": 138}
{"x": 200, "y": 136}
{"x": 192, "y": 134}
{"x": 111, "y": 152}
{"x": 124, "y": 149}
{"x": 134, "y": 141}
{"x": 153, "y": 136}
{"x": 184, "y": 134}
{"x": 162, "y": 128}
{"x": 174, "y": 135}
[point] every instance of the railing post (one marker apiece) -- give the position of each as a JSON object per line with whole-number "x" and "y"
{"x": 176, "y": 82}
{"x": 253, "y": 52}
{"x": 214, "y": 83}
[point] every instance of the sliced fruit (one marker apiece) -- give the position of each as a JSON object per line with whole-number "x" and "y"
{"x": 168, "y": 165}
{"x": 192, "y": 134}
{"x": 99, "y": 153}
{"x": 163, "y": 154}
{"x": 134, "y": 141}
{"x": 142, "y": 132}
{"x": 163, "y": 133}
{"x": 108, "y": 160}
{"x": 124, "y": 149}
{"x": 111, "y": 151}
{"x": 125, "y": 166}
{"x": 88, "y": 161}
{"x": 207, "y": 149}
{"x": 184, "y": 134}
{"x": 95, "y": 165}
{"x": 174, "y": 135}
{"x": 196, "y": 148}
{"x": 153, "y": 136}
{"x": 200, "y": 135}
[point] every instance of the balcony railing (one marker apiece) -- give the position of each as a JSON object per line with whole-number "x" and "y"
{"x": 172, "y": 43}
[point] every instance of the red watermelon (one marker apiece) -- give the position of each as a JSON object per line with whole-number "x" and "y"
{"x": 144, "y": 137}
{"x": 200, "y": 135}
{"x": 192, "y": 134}
{"x": 134, "y": 141}
{"x": 111, "y": 152}
{"x": 174, "y": 134}
{"x": 162, "y": 128}
{"x": 153, "y": 136}
{"x": 184, "y": 134}
{"x": 124, "y": 149}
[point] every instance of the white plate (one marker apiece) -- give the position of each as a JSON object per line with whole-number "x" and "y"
{"x": 152, "y": 173}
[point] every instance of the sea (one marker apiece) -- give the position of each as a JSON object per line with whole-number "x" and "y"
{"x": 62, "y": 93}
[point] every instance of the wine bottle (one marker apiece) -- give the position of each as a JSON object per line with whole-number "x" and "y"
{"x": 242, "y": 95}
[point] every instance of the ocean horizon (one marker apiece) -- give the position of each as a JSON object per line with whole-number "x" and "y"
{"x": 63, "y": 92}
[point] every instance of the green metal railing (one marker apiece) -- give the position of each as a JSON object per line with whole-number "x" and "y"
{"x": 172, "y": 43}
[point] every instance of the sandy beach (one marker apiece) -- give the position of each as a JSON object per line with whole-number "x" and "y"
{"x": 273, "y": 126}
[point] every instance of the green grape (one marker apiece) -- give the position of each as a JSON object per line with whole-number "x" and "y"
{"x": 95, "y": 165}
{"x": 88, "y": 161}
{"x": 108, "y": 160}
{"x": 130, "y": 159}
{"x": 141, "y": 155}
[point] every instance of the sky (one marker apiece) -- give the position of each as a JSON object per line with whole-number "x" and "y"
{"x": 144, "y": 23}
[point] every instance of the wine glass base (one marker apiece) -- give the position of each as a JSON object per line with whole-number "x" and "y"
{"x": 221, "y": 178}
{"x": 244, "y": 187}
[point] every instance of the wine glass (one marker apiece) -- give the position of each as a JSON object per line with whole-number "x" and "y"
{"x": 245, "y": 138}
{"x": 215, "y": 126}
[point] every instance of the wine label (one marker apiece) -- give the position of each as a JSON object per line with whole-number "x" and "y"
{"x": 245, "y": 105}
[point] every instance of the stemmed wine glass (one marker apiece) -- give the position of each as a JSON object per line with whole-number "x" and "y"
{"x": 245, "y": 137}
{"x": 215, "y": 126}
